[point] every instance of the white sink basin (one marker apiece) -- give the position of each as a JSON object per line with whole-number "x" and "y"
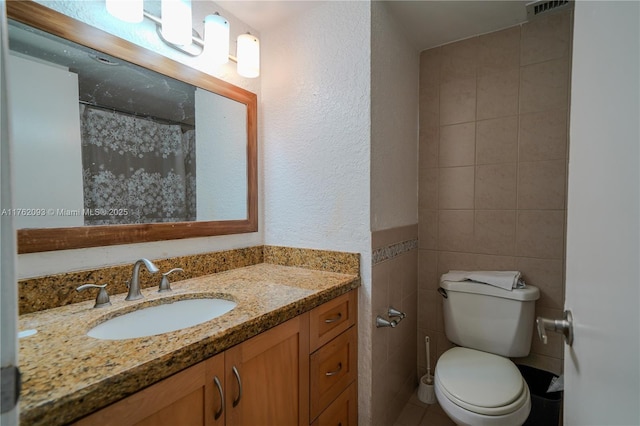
{"x": 161, "y": 319}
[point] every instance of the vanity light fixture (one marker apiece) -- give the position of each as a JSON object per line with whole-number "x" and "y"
{"x": 129, "y": 11}
{"x": 175, "y": 31}
{"x": 216, "y": 45}
{"x": 248, "y": 55}
{"x": 176, "y": 21}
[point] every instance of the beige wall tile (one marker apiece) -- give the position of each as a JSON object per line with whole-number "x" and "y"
{"x": 428, "y": 189}
{"x": 540, "y": 233}
{"x": 380, "y": 276}
{"x": 495, "y": 186}
{"x": 455, "y": 230}
{"x": 548, "y": 276}
{"x": 484, "y": 262}
{"x": 408, "y": 274}
{"x": 495, "y": 231}
{"x": 427, "y": 305}
{"x": 459, "y": 60}
{"x": 429, "y": 139}
{"x": 430, "y": 63}
{"x": 463, "y": 261}
{"x": 385, "y": 237}
{"x": 429, "y": 105}
{"x": 474, "y": 262}
{"x": 541, "y": 185}
{"x": 497, "y": 140}
{"x": 428, "y": 270}
{"x": 545, "y": 39}
{"x": 457, "y": 145}
{"x": 499, "y": 50}
{"x": 428, "y": 229}
{"x": 543, "y": 135}
{"x": 458, "y": 101}
{"x": 498, "y": 94}
{"x": 455, "y": 187}
{"x": 512, "y": 215}
{"x": 544, "y": 86}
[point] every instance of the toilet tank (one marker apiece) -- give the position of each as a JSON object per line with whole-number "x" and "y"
{"x": 488, "y": 318}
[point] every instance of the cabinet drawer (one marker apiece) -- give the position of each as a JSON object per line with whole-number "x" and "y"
{"x": 343, "y": 411}
{"x": 332, "y": 368}
{"x": 331, "y": 319}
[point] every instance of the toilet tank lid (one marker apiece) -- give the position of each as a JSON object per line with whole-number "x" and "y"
{"x": 529, "y": 292}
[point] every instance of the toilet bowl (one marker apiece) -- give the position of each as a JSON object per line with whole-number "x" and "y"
{"x": 481, "y": 389}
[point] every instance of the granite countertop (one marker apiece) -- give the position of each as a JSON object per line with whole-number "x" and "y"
{"x": 67, "y": 375}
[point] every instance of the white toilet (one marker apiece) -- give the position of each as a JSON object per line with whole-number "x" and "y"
{"x": 475, "y": 383}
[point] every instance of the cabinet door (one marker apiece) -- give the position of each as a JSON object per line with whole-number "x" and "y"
{"x": 343, "y": 411}
{"x": 267, "y": 377}
{"x": 186, "y": 398}
{"x": 214, "y": 408}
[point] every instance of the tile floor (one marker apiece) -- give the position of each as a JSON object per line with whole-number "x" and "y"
{"x": 417, "y": 413}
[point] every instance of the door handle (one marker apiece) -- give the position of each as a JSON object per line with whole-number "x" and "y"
{"x": 564, "y": 326}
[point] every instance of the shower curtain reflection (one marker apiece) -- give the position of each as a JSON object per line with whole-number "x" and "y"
{"x": 136, "y": 170}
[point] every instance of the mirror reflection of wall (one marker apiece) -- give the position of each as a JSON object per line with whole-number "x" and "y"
{"x": 47, "y": 151}
{"x": 115, "y": 143}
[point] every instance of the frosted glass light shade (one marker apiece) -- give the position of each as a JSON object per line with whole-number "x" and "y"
{"x": 127, "y": 11}
{"x": 176, "y": 21}
{"x": 248, "y": 56}
{"x": 216, "y": 39}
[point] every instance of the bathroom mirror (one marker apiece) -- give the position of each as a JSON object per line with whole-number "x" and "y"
{"x": 187, "y": 168}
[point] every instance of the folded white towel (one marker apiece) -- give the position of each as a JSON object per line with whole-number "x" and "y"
{"x": 507, "y": 280}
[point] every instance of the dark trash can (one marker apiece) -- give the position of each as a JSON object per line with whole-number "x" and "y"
{"x": 545, "y": 406}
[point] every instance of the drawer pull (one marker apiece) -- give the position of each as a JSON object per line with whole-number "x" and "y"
{"x": 218, "y": 413}
{"x": 333, "y": 373}
{"x": 237, "y": 400}
{"x": 333, "y": 319}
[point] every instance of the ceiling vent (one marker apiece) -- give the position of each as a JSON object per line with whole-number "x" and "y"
{"x": 544, "y": 6}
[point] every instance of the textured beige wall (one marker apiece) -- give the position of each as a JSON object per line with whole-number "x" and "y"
{"x": 393, "y": 363}
{"x": 493, "y": 168}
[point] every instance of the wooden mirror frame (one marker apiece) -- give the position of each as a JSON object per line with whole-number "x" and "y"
{"x": 48, "y": 239}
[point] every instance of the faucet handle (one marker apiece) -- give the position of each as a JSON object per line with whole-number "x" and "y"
{"x": 102, "y": 299}
{"x": 165, "y": 285}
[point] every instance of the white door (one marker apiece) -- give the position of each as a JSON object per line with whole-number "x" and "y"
{"x": 8, "y": 292}
{"x": 602, "y": 380}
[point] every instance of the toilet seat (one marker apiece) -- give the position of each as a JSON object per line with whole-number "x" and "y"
{"x": 481, "y": 382}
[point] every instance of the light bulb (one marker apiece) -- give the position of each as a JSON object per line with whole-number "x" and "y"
{"x": 127, "y": 11}
{"x": 176, "y": 21}
{"x": 216, "y": 39}
{"x": 248, "y": 55}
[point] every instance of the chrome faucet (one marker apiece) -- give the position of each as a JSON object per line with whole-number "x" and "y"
{"x": 134, "y": 284}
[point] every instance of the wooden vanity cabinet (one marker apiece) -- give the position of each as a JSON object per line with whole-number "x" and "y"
{"x": 271, "y": 387}
{"x": 189, "y": 397}
{"x": 273, "y": 369}
{"x": 275, "y": 378}
{"x": 334, "y": 362}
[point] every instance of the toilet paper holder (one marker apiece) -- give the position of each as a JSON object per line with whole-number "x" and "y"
{"x": 563, "y": 326}
{"x": 391, "y": 313}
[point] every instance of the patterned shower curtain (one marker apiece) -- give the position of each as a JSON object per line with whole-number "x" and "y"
{"x": 136, "y": 170}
